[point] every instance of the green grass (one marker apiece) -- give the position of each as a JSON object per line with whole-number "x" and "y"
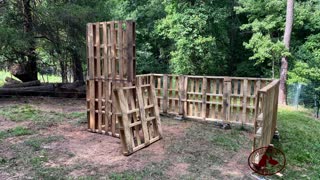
{"x": 42, "y": 119}
{"x": 46, "y": 78}
{"x": 50, "y": 78}
{"x": 151, "y": 171}
{"x": 20, "y": 113}
{"x": 3, "y": 75}
{"x": 79, "y": 117}
{"x": 37, "y": 142}
{"x": 17, "y": 131}
{"x": 31, "y": 156}
{"x": 204, "y": 147}
{"x": 300, "y": 141}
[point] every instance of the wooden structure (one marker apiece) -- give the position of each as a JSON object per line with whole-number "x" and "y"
{"x": 211, "y": 98}
{"x": 111, "y": 64}
{"x": 118, "y": 102}
{"x": 138, "y": 117}
{"x": 266, "y": 118}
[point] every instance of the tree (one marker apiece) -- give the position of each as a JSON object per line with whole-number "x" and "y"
{"x": 199, "y": 35}
{"x": 284, "y": 60}
{"x": 152, "y": 49}
{"x": 265, "y": 22}
{"x": 306, "y": 71}
{"x": 17, "y": 34}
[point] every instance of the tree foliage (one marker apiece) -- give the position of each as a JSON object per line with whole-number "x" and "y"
{"x": 234, "y": 37}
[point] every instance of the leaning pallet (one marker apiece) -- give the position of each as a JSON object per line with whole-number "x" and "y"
{"x": 138, "y": 117}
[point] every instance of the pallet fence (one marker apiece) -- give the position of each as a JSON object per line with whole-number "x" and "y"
{"x": 119, "y": 103}
{"x": 111, "y": 64}
{"x": 210, "y": 98}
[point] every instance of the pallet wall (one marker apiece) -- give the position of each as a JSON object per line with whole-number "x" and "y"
{"x": 111, "y": 64}
{"x": 211, "y": 98}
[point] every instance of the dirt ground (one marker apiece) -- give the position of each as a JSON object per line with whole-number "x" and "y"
{"x": 63, "y": 148}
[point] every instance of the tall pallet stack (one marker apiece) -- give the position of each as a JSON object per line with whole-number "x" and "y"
{"x": 111, "y": 64}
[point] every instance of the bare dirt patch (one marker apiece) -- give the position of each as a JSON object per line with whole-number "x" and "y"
{"x": 103, "y": 150}
{"x": 188, "y": 149}
{"x": 6, "y": 124}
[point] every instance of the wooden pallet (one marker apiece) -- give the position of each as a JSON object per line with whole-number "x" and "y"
{"x": 111, "y": 64}
{"x": 138, "y": 117}
{"x": 209, "y": 98}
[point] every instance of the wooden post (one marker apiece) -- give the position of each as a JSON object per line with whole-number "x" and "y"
{"x": 182, "y": 95}
{"x": 165, "y": 93}
{"x": 105, "y": 75}
{"x": 185, "y": 102}
{"x": 91, "y": 92}
{"x": 114, "y": 72}
{"x": 256, "y": 95}
{"x": 275, "y": 110}
{"x": 98, "y": 76}
{"x": 133, "y": 64}
{"x": 204, "y": 98}
{"x": 226, "y": 98}
{"x": 152, "y": 83}
{"x": 255, "y": 117}
{"x": 129, "y": 50}
{"x": 244, "y": 99}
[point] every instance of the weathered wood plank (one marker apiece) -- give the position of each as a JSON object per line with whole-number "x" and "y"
{"x": 165, "y": 93}
{"x": 204, "y": 98}
{"x": 142, "y": 115}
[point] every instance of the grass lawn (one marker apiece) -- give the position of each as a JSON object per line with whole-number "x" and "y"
{"x": 46, "y": 78}
{"x": 47, "y": 138}
{"x": 300, "y": 141}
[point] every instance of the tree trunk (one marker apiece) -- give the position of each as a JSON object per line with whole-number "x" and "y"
{"x": 63, "y": 71}
{"x": 284, "y": 60}
{"x": 30, "y": 67}
{"x": 77, "y": 67}
{"x": 232, "y": 39}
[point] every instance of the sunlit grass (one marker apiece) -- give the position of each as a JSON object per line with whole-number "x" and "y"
{"x": 3, "y": 75}
{"x": 43, "y": 79}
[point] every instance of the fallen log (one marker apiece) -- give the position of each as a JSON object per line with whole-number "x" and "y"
{"x": 10, "y": 80}
{"x": 50, "y": 89}
{"x": 23, "y": 84}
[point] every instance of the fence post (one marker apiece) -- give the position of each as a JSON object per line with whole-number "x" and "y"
{"x": 256, "y": 95}
{"x": 275, "y": 108}
{"x": 244, "y": 100}
{"x": 226, "y": 98}
{"x": 165, "y": 93}
{"x": 182, "y": 95}
{"x": 152, "y": 81}
{"x": 185, "y": 103}
{"x": 91, "y": 69}
{"x": 204, "y": 98}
